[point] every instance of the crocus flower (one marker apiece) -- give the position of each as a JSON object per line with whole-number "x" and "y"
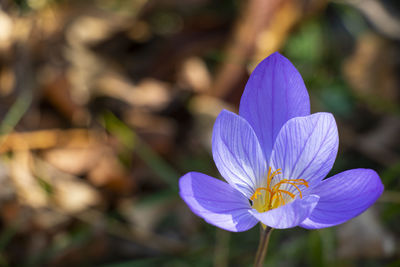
{"x": 274, "y": 157}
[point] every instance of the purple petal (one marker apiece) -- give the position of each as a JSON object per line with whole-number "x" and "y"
{"x": 289, "y": 215}
{"x": 305, "y": 148}
{"x": 274, "y": 94}
{"x": 343, "y": 197}
{"x": 237, "y": 153}
{"x": 216, "y": 202}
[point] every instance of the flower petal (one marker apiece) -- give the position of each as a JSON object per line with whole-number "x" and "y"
{"x": 289, "y": 215}
{"x": 305, "y": 148}
{"x": 237, "y": 153}
{"x": 274, "y": 94}
{"x": 343, "y": 197}
{"x": 216, "y": 202}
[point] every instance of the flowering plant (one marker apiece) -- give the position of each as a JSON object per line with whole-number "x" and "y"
{"x": 274, "y": 156}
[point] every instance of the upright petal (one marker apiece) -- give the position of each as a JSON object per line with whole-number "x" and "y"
{"x": 289, "y": 215}
{"x": 237, "y": 153}
{"x": 343, "y": 197}
{"x": 274, "y": 94}
{"x": 216, "y": 202}
{"x": 305, "y": 148}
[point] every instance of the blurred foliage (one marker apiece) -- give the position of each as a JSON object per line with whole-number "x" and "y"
{"x": 105, "y": 104}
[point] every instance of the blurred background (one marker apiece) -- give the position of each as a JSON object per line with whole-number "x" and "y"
{"x": 105, "y": 104}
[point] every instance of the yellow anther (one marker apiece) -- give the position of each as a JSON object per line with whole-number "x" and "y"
{"x": 272, "y": 197}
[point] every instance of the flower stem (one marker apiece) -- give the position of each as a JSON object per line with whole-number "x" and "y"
{"x": 262, "y": 246}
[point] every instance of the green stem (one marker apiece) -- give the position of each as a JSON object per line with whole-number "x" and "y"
{"x": 262, "y": 246}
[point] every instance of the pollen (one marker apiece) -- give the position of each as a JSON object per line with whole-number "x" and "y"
{"x": 272, "y": 197}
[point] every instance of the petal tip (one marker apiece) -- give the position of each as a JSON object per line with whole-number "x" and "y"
{"x": 277, "y": 55}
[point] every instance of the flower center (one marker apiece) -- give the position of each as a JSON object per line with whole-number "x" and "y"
{"x": 272, "y": 197}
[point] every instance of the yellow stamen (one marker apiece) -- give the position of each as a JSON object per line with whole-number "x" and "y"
{"x": 287, "y": 192}
{"x": 293, "y": 182}
{"x": 270, "y": 176}
{"x": 267, "y": 198}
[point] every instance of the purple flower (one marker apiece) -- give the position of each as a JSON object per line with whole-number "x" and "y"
{"x": 274, "y": 156}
